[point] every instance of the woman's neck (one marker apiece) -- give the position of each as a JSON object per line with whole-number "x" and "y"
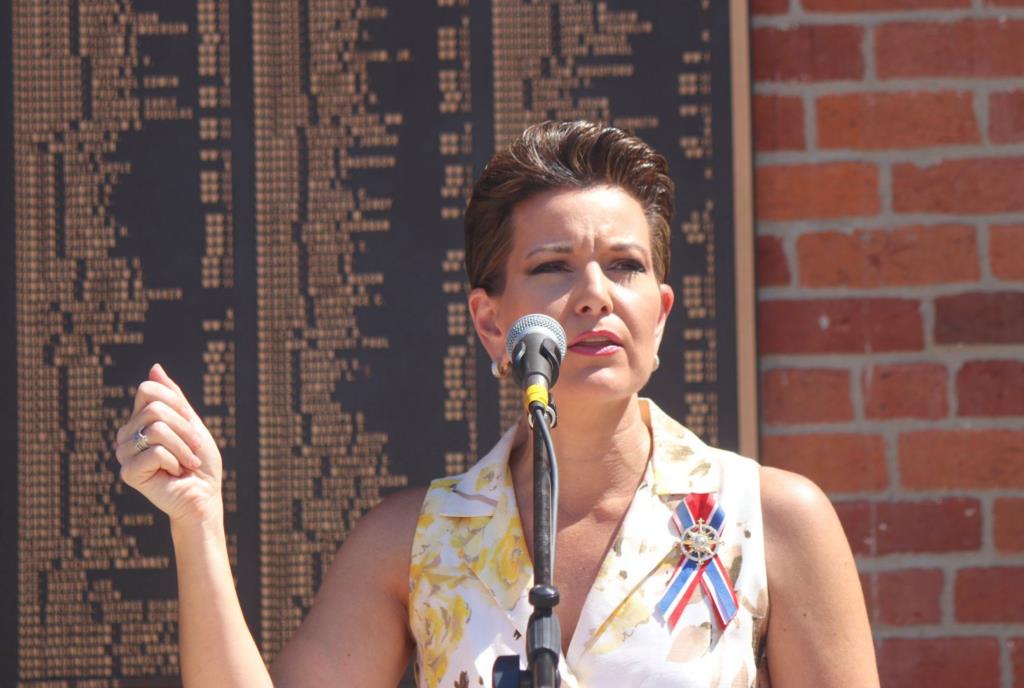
{"x": 602, "y": 452}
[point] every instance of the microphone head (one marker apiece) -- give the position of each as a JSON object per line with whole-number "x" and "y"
{"x": 540, "y": 324}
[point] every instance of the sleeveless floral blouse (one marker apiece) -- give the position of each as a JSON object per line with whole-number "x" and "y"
{"x": 470, "y": 575}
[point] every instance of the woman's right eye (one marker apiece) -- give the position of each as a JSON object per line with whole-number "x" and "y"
{"x": 549, "y": 266}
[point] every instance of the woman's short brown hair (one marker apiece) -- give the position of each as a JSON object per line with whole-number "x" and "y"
{"x": 563, "y": 155}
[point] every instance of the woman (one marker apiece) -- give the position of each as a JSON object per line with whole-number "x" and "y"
{"x": 678, "y": 564}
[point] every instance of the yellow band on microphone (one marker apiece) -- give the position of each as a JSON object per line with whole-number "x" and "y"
{"x": 536, "y": 392}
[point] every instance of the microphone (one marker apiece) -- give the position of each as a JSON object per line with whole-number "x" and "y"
{"x": 536, "y": 345}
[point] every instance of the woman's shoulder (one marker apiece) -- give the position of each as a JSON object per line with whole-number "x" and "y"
{"x": 367, "y": 580}
{"x": 394, "y": 517}
{"x": 801, "y": 528}
{"x": 383, "y": 537}
{"x": 810, "y": 567}
{"x": 795, "y": 509}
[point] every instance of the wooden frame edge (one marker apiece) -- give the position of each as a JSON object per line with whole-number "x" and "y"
{"x": 743, "y": 230}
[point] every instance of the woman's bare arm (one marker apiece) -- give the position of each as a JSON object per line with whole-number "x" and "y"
{"x": 215, "y": 644}
{"x": 356, "y": 633}
{"x": 818, "y": 631}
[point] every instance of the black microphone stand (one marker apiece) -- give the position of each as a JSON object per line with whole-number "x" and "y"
{"x": 543, "y": 634}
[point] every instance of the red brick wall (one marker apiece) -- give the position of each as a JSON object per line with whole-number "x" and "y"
{"x": 889, "y": 174}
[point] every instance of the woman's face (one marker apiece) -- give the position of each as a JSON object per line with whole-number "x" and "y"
{"x": 584, "y": 258}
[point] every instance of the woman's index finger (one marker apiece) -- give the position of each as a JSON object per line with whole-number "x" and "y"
{"x": 158, "y": 374}
{"x": 154, "y": 390}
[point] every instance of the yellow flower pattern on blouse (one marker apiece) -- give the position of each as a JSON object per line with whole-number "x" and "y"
{"x": 470, "y": 574}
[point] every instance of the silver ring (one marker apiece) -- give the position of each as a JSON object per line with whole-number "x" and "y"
{"x": 140, "y": 440}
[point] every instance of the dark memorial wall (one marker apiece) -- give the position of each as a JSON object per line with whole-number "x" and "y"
{"x": 266, "y": 197}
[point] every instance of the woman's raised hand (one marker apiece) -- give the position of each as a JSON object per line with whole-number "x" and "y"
{"x": 168, "y": 454}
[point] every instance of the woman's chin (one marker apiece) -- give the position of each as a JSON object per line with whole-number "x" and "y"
{"x": 594, "y": 387}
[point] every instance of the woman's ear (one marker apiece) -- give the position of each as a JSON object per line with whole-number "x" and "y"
{"x": 483, "y": 308}
{"x": 668, "y": 297}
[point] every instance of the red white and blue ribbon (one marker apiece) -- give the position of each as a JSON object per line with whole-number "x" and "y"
{"x": 699, "y": 519}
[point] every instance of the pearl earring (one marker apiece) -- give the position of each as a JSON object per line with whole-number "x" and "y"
{"x": 499, "y": 370}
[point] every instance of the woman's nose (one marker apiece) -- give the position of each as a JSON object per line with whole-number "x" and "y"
{"x": 592, "y": 293}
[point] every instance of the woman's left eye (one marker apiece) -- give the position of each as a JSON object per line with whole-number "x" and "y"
{"x": 630, "y": 265}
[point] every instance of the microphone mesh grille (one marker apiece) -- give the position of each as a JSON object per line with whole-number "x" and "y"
{"x": 536, "y": 322}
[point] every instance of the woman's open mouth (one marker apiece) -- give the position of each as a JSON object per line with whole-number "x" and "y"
{"x": 596, "y": 343}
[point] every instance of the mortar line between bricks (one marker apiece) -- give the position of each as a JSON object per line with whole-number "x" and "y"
{"x": 959, "y": 630}
{"x": 988, "y": 521}
{"x": 989, "y": 535}
{"x": 856, "y": 391}
{"x": 1012, "y": 424}
{"x": 920, "y": 496}
{"x": 980, "y": 101}
{"x": 952, "y": 394}
{"x": 947, "y": 598}
{"x": 880, "y": 221}
{"x": 890, "y": 442}
{"x": 905, "y": 495}
{"x": 929, "y": 155}
{"x": 868, "y": 48}
{"x": 894, "y": 85}
{"x": 906, "y": 292}
{"x": 958, "y": 559}
{"x": 932, "y": 16}
{"x": 984, "y": 253}
{"x": 872, "y": 604}
{"x": 810, "y": 127}
{"x": 1005, "y": 665}
{"x": 927, "y": 311}
{"x": 885, "y": 187}
{"x": 953, "y": 356}
{"x": 792, "y": 255}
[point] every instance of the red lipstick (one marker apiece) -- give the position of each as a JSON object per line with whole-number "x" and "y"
{"x": 596, "y": 343}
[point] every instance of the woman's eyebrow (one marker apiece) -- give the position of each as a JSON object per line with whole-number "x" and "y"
{"x": 630, "y": 246}
{"x": 563, "y": 247}
{"x": 550, "y": 248}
